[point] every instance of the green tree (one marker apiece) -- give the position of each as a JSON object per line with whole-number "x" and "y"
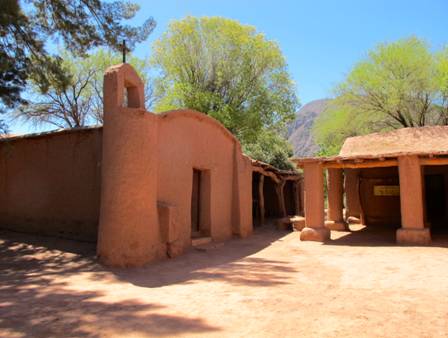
{"x": 396, "y": 86}
{"x": 26, "y": 26}
{"x": 271, "y": 149}
{"x": 80, "y": 102}
{"x": 3, "y": 128}
{"x": 335, "y": 124}
{"x": 442, "y": 85}
{"x": 230, "y": 72}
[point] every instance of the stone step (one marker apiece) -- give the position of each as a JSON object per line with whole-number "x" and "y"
{"x": 298, "y": 223}
{"x": 200, "y": 241}
{"x": 295, "y": 223}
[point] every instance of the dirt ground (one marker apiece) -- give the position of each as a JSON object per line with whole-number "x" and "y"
{"x": 270, "y": 285}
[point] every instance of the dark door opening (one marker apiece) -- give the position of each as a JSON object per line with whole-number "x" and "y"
{"x": 255, "y": 199}
{"x": 271, "y": 203}
{"x": 289, "y": 193}
{"x": 435, "y": 201}
{"x": 196, "y": 204}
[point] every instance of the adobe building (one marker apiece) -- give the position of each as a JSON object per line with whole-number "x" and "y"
{"x": 144, "y": 186}
{"x": 397, "y": 179}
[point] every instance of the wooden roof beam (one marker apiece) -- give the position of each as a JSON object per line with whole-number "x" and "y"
{"x": 362, "y": 164}
{"x": 433, "y": 160}
{"x": 266, "y": 173}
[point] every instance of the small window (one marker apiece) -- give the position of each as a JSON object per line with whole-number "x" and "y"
{"x": 131, "y": 97}
{"x": 125, "y": 97}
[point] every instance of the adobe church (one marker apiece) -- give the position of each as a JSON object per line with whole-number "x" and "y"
{"x": 143, "y": 186}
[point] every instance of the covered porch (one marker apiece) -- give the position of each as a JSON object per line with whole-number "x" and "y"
{"x": 407, "y": 191}
{"x": 277, "y": 195}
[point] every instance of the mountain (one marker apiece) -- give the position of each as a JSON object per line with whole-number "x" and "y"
{"x": 300, "y": 131}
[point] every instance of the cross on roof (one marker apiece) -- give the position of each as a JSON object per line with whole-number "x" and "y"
{"x": 124, "y": 50}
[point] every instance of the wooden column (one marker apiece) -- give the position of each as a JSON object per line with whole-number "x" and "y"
{"x": 413, "y": 229}
{"x": 335, "y": 200}
{"x": 279, "y": 188}
{"x": 314, "y": 204}
{"x": 261, "y": 198}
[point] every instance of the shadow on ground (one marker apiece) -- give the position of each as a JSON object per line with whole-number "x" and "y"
{"x": 229, "y": 262}
{"x": 378, "y": 235}
{"x": 35, "y": 299}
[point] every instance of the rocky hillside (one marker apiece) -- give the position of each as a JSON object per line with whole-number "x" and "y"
{"x": 300, "y": 133}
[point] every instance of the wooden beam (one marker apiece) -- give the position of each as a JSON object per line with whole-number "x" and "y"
{"x": 434, "y": 161}
{"x": 297, "y": 177}
{"x": 266, "y": 173}
{"x": 380, "y": 162}
{"x": 365, "y": 164}
{"x": 279, "y": 189}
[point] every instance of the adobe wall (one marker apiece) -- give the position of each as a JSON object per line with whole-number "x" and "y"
{"x": 383, "y": 210}
{"x": 190, "y": 140}
{"x": 50, "y": 183}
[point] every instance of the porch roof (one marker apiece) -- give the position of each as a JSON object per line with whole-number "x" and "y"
{"x": 383, "y": 149}
{"x": 276, "y": 174}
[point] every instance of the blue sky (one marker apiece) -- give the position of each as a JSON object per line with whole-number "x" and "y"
{"x": 320, "y": 39}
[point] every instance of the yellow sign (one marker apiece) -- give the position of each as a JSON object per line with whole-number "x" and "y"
{"x": 386, "y": 190}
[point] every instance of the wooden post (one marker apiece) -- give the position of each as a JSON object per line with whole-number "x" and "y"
{"x": 280, "y": 196}
{"x": 261, "y": 198}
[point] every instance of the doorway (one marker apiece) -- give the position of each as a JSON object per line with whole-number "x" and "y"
{"x": 435, "y": 201}
{"x": 271, "y": 202}
{"x": 256, "y": 215}
{"x": 290, "y": 193}
{"x": 196, "y": 204}
{"x": 200, "y": 203}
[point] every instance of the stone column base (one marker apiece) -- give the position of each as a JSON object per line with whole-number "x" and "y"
{"x": 335, "y": 225}
{"x": 298, "y": 223}
{"x": 413, "y": 236}
{"x": 315, "y": 234}
{"x": 353, "y": 220}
